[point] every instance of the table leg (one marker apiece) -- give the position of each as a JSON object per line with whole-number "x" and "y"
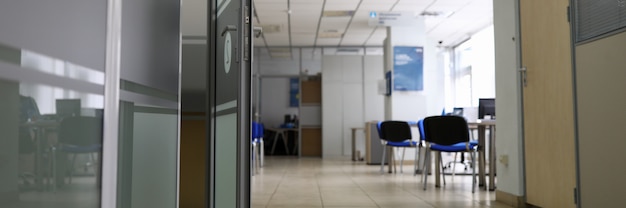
{"x": 492, "y": 158}
{"x": 481, "y": 155}
{"x": 354, "y": 145}
{"x": 285, "y": 140}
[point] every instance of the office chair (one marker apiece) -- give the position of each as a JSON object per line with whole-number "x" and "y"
{"x": 257, "y": 146}
{"x": 396, "y": 134}
{"x": 448, "y": 134}
{"x": 79, "y": 135}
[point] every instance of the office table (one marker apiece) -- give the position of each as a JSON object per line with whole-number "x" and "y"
{"x": 354, "y": 155}
{"x": 481, "y": 126}
{"x": 281, "y": 133}
{"x": 42, "y": 142}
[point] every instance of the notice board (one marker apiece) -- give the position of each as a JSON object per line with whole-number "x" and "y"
{"x": 408, "y": 68}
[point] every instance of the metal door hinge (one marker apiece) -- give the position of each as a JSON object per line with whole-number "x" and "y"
{"x": 569, "y": 15}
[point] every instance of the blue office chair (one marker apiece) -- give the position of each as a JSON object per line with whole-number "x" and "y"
{"x": 448, "y": 134}
{"x": 79, "y": 135}
{"x": 396, "y": 134}
{"x": 257, "y": 145}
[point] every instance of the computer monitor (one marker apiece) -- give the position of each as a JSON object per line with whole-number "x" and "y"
{"x": 68, "y": 107}
{"x": 486, "y": 106}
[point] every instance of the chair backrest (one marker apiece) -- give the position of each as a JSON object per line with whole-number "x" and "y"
{"x": 395, "y": 131}
{"x": 446, "y": 130}
{"x": 80, "y": 131}
{"x": 420, "y": 127}
{"x": 255, "y": 130}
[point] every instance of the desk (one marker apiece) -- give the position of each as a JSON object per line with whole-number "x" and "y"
{"x": 281, "y": 133}
{"x": 482, "y": 126}
{"x": 354, "y": 155}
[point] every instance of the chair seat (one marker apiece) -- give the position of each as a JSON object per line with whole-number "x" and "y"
{"x": 80, "y": 149}
{"x": 458, "y": 147}
{"x": 402, "y": 144}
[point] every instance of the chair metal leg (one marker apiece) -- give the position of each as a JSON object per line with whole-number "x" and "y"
{"x": 402, "y": 160}
{"x": 261, "y": 152}
{"x": 382, "y": 162}
{"x": 442, "y": 173}
{"x": 253, "y": 157}
{"x": 72, "y": 167}
{"x": 415, "y": 161}
{"x": 426, "y": 167}
{"x": 474, "y": 170}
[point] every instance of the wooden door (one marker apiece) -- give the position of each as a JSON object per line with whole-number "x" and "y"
{"x": 548, "y": 103}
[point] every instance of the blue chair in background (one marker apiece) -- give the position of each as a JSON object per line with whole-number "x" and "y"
{"x": 448, "y": 134}
{"x": 257, "y": 146}
{"x": 396, "y": 134}
{"x": 78, "y": 135}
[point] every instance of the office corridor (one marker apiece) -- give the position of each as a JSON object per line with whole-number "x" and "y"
{"x": 315, "y": 182}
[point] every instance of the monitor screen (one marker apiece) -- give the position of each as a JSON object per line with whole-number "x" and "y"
{"x": 486, "y": 106}
{"x": 68, "y": 107}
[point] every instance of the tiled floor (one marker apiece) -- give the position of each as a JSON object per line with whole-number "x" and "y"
{"x": 313, "y": 182}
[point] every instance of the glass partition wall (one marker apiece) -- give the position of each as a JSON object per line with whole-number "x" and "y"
{"x": 89, "y": 103}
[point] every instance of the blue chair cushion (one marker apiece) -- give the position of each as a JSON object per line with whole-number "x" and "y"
{"x": 402, "y": 144}
{"x": 458, "y": 147}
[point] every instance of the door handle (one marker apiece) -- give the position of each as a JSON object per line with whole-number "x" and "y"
{"x": 229, "y": 28}
{"x": 523, "y": 71}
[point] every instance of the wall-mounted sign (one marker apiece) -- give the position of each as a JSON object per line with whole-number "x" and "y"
{"x": 392, "y": 19}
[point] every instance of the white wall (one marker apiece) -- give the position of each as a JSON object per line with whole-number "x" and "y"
{"x": 508, "y": 105}
{"x": 342, "y": 102}
{"x": 275, "y": 101}
{"x": 415, "y": 105}
{"x": 274, "y": 73}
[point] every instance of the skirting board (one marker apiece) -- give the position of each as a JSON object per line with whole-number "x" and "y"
{"x": 510, "y": 199}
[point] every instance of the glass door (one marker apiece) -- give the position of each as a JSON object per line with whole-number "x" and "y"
{"x": 229, "y": 103}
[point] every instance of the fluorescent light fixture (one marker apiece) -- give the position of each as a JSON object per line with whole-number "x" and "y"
{"x": 338, "y": 13}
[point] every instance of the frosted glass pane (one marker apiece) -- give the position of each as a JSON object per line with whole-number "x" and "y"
{"x": 226, "y": 160}
{"x": 154, "y": 160}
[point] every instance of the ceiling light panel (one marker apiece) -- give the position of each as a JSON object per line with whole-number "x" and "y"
{"x": 411, "y": 5}
{"x": 448, "y": 5}
{"x": 302, "y": 40}
{"x": 354, "y": 40}
{"x": 328, "y": 41}
{"x": 341, "y": 5}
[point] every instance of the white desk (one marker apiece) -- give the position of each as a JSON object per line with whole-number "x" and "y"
{"x": 354, "y": 155}
{"x": 482, "y": 126}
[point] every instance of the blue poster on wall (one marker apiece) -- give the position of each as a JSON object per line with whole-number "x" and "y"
{"x": 408, "y": 68}
{"x": 294, "y": 90}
